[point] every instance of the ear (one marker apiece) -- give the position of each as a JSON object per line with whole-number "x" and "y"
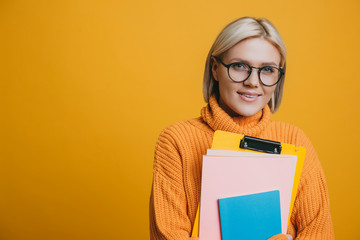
{"x": 214, "y": 67}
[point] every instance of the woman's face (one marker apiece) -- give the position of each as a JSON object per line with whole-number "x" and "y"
{"x": 248, "y": 97}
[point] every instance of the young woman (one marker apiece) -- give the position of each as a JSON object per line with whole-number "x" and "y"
{"x": 243, "y": 84}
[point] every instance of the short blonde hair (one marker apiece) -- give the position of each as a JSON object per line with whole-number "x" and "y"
{"x": 236, "y": 31}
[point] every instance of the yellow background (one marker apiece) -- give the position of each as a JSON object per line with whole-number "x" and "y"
{"x": 87, "y": 86}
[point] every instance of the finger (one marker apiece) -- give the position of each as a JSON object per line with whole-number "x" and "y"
{"x": 289, "y": 236}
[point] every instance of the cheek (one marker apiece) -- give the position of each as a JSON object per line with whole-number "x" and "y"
{"x": 226, "y": 88}
{"x": 269, "y": 91}
{"x": 225, "y": 84}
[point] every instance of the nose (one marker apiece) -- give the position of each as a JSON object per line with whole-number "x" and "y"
{"x": 253, "y": 80}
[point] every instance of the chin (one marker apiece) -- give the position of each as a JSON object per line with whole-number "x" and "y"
{"x": 246, "y": 112}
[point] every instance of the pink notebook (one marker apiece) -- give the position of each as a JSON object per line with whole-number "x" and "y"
{"x": 224, "y": 176}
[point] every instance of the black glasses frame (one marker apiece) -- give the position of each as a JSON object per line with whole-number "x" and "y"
{"x": 251, "y": 68}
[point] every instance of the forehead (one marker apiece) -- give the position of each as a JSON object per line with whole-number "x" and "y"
{"x": 254, "y": 51}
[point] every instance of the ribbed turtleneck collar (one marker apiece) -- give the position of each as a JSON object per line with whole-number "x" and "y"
{"x": 218, "y": 119}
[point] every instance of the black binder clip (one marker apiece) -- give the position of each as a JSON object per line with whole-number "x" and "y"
{"x": 261, "y": 145}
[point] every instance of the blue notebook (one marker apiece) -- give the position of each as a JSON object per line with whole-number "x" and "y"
{"x": 255, "y": 216}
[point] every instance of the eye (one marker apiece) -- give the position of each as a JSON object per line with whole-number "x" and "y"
{"x": 239, "y": 66}
{"x": 268, "y": 69}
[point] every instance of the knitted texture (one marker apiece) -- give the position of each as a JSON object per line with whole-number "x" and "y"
{"x": 175, "y": 193}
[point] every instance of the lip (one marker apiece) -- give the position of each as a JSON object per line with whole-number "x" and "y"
{"x": 249, "y": 96}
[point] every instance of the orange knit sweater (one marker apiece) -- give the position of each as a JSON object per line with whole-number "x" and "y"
{"x": 176, "y": 184}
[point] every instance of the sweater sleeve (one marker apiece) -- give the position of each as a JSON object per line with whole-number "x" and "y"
{"x": 311, "y": 217}
{"x": 168, "y": 205}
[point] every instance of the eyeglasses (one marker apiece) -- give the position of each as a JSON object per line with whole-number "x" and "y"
{"x": 240, "y": 72}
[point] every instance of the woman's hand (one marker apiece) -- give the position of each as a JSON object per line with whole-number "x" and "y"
{"x": 289, "y": 236}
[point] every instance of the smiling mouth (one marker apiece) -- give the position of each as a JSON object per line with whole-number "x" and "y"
{"x": 249, "y": 95}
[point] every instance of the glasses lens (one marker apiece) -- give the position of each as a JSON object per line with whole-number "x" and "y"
{"x": 269, "y": 75}
{"x": 239, "y": 71}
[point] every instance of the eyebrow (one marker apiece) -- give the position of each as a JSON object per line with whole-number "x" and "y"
{"x": 245, "y": 61}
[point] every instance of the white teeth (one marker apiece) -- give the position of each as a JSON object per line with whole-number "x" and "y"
{"x": 249, "y": 96}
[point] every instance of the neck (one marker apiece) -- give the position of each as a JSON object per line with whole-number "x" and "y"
{"x": 219, "y": 117}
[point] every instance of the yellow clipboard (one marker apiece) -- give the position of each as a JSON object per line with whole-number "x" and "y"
{"x": 231, "y": 141}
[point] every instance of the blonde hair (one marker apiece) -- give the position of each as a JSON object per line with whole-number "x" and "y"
{"x": 238, "y": 30}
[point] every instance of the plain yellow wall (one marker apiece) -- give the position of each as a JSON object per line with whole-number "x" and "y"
{"x": 87, "y": 86}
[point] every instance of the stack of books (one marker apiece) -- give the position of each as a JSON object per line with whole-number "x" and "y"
{"x": 246, "y": 193}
